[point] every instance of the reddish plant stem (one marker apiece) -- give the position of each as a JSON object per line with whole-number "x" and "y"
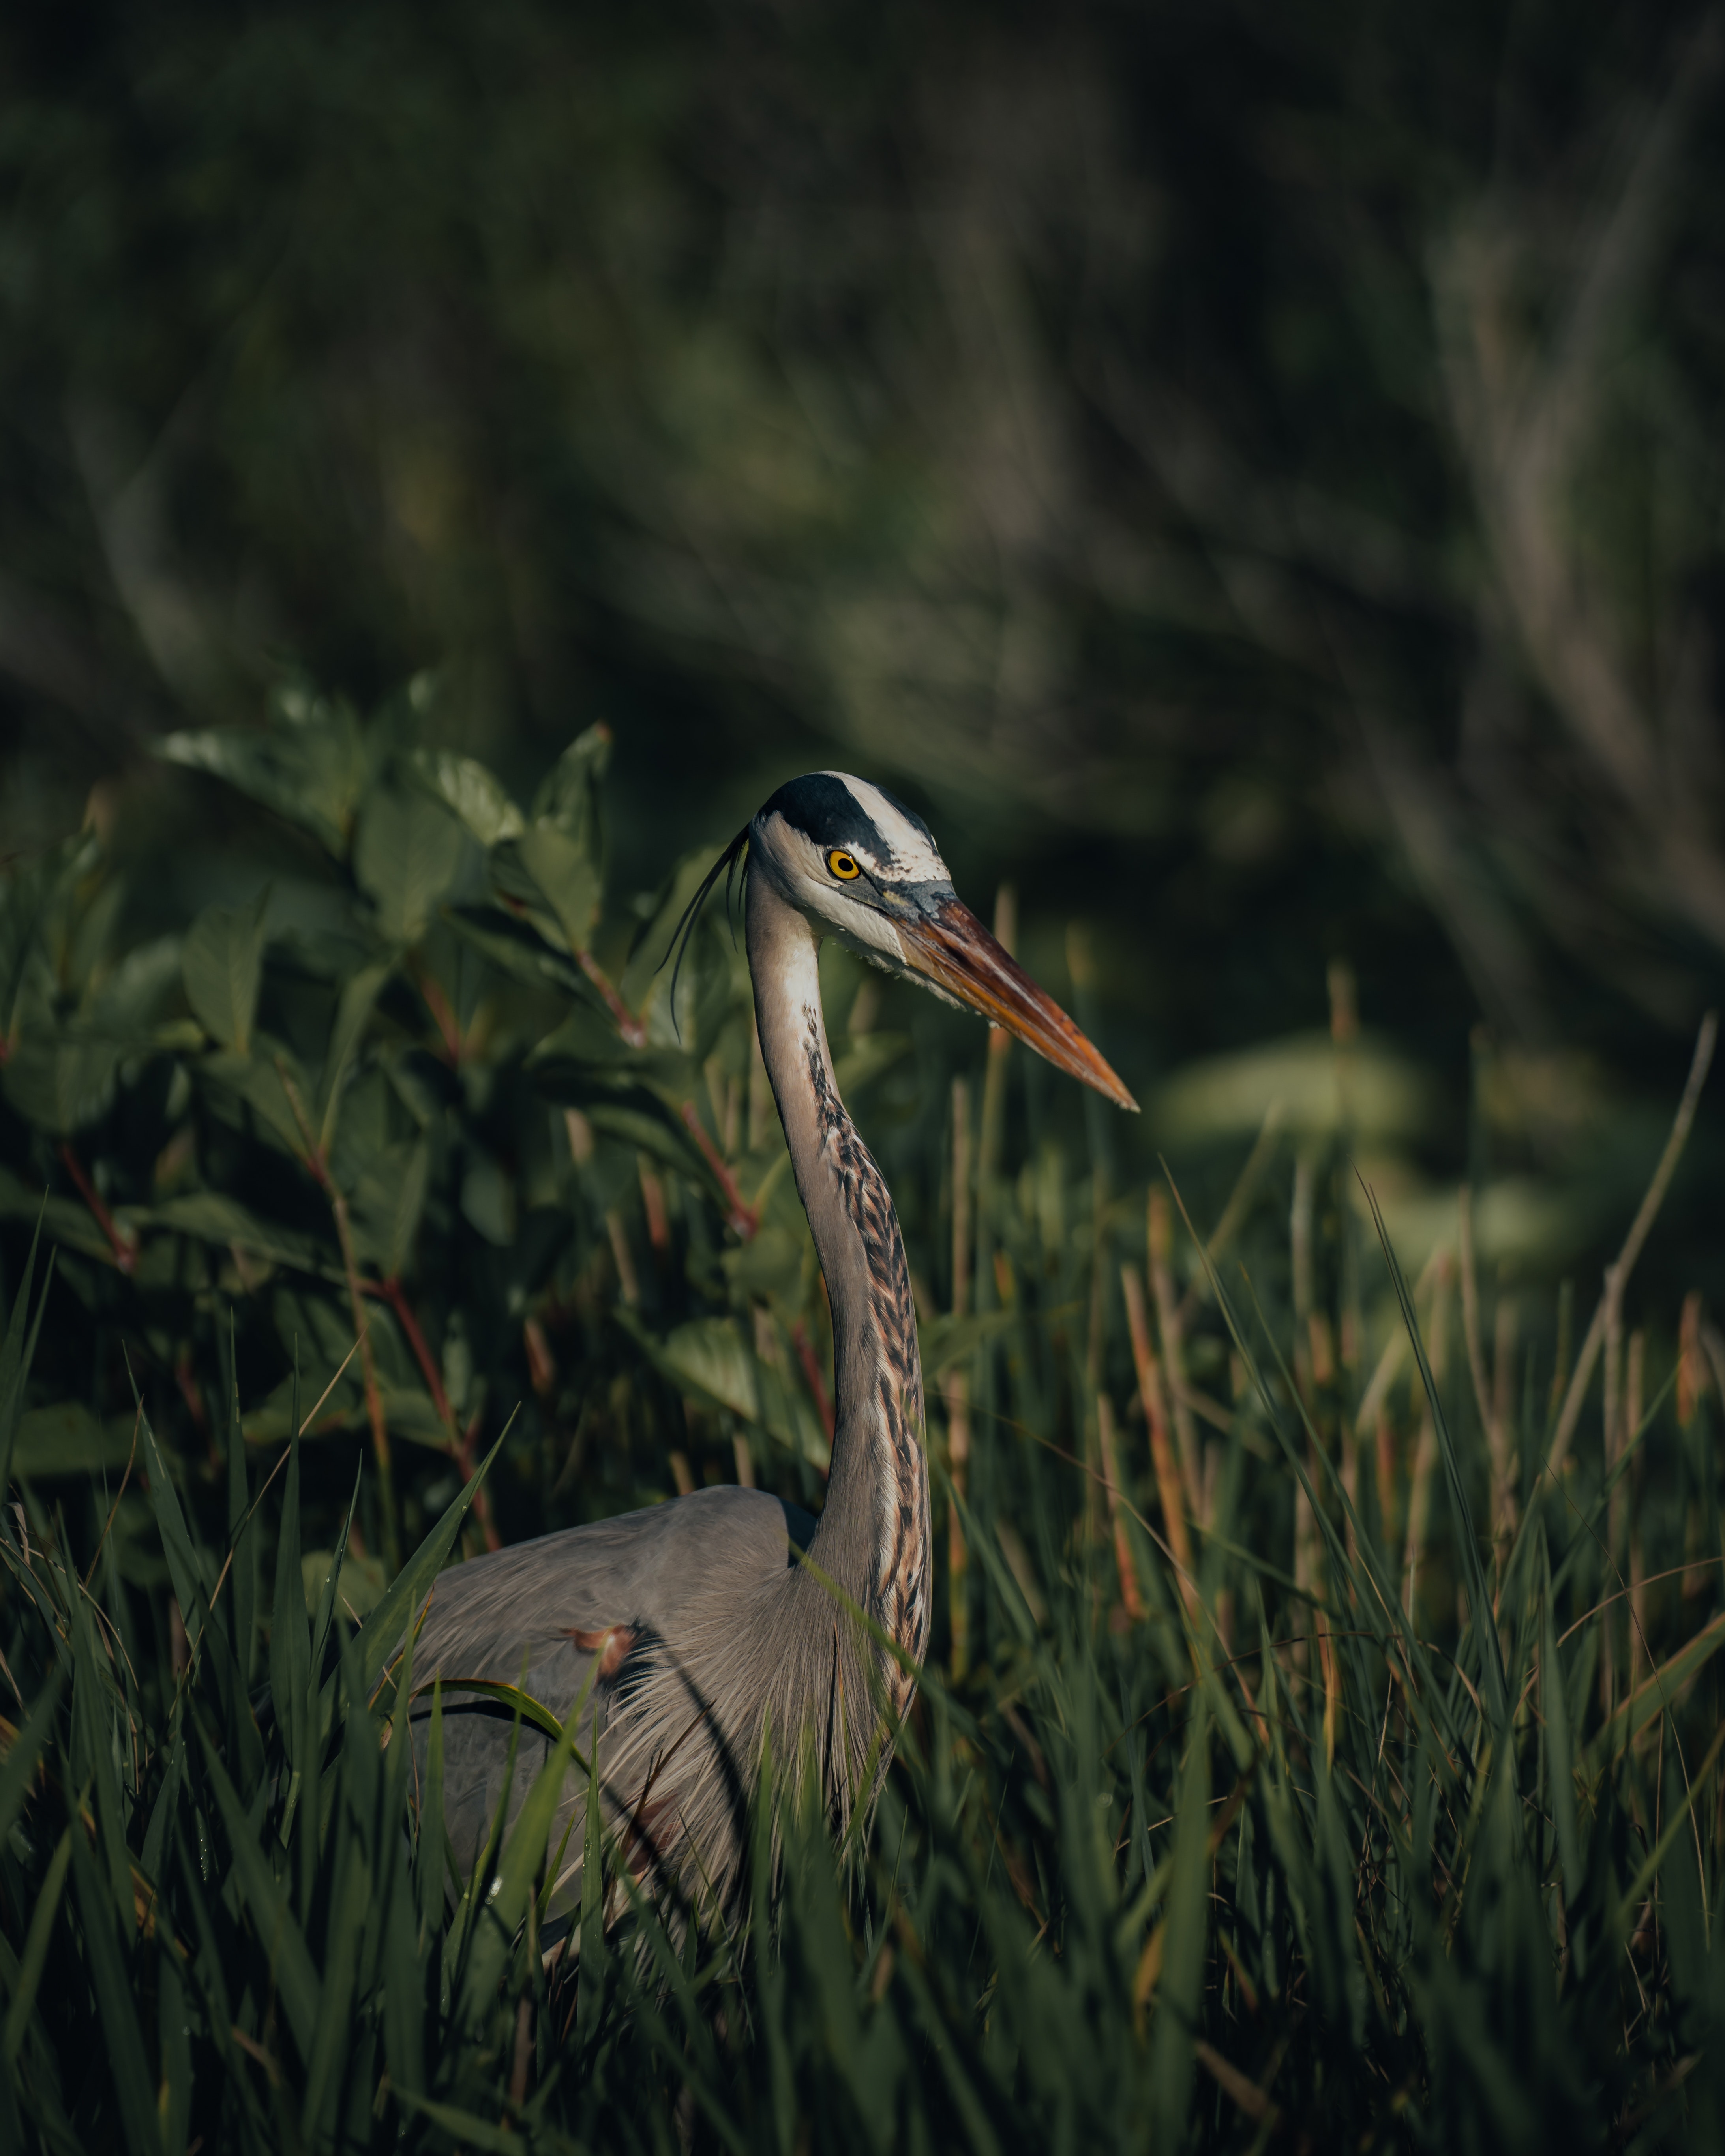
{"x": 126, "y": 1251}
{"x": 627, "y": 1024}
{"x": 461, "y": 1442}
{"x": 742, "y": 1217}
{"x": 395, "y": 1295}
{"x": 438, "y": 1004}
{"x": 811, "y": 1370}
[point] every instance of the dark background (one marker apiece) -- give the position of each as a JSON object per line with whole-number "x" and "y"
{"x": 1251, "y": 474}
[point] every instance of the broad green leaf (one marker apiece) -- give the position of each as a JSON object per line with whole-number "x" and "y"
{"x": 353, "y": 1014}
{"x": 66, "y": 1439}
{"x": 709, "y": 1356}
{"x": 386, "y": 1204}
{"x": 126, "y": 997}
{"x": 567, "y": 875}
{"x": 471, "y": 791}
{"x": 213, "y": 1217}
{"x": 309, "y": 766}
{"x": 222, "y": 963}
{"x": 62, "y": 1081}
{"x": 568, "y": 794}
{"x": 250, "y": 1090}
{"x": 407, "y": 854}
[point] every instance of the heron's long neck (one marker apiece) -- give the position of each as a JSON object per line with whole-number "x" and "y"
{"x": 873, "y": 1536}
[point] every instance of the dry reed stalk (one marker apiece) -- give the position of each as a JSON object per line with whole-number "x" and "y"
{"x": 1159, "y": 1239}
{"x": 1169, "y": 1488}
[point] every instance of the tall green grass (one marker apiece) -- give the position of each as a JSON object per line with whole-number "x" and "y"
{"x": 1320, "y": 1743}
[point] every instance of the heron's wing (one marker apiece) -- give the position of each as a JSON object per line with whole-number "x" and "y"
{"x": 680, "y": 1576}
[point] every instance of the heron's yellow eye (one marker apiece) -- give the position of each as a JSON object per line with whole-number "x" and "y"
{"x": 843, "y": 866}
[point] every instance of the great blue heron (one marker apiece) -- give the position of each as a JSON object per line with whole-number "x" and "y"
{"x": 708, "y": 1635}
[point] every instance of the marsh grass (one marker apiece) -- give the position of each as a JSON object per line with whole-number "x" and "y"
{"x": 1320, "y": 1744}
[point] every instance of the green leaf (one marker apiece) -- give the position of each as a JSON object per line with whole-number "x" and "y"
{"x": 1654, "y": 1696}
{"x": 309, "y": 766}
{"x": 1174, "y": 2057}
{"x": 407, "y": 854}
{"x": 222, "y": 965}
{"x": 360, "y": 1586}
{"x": 62, "y": 1081}
{"x": 17, "y": 1353}
{"x": 471, "y": 791}
{"x": 708, "y": 1356}
{"x": 353, "y": 1014}
{"x": 385, "y": 1628}
{"x": 176, "y": 1544}
{"x": 122, "y": 2039}
{"x": 386, "y": 1205}
{"x": 67, "y": 1439}
{"x": 947, "y": 1339}
{"x": 28, "y": 1979}
{"x": 266, "y": 1898}
{"x": 290, "y": 1628}
{"x": 26, "y": 1749}
{"x": 464, "y": 2128}
{"x": 215, "y": 1217}
{"x": 255, "y": 1081}
{"x": 568, "y": 876}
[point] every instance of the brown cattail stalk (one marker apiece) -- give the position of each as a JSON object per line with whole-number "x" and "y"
{"x": 1169, "y": 1488}
{"x": 1160, "y": 1240}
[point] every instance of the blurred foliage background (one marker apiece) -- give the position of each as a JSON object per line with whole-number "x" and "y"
{"x": 1253, "y": 477}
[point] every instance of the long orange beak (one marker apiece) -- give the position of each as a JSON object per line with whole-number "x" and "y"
{"x": 950, "y": 948}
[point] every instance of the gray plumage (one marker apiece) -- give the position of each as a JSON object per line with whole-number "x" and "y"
{"x": 706, "y": 1636}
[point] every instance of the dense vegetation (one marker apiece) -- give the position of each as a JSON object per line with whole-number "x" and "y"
{"x": 1252, "y": 476}
{"x": 395, "y": 1209}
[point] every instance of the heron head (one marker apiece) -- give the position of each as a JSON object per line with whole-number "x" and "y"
{"x": 862, "y": 867}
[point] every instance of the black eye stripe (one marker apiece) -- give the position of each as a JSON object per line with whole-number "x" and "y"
{"x": 825, "y": 810}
